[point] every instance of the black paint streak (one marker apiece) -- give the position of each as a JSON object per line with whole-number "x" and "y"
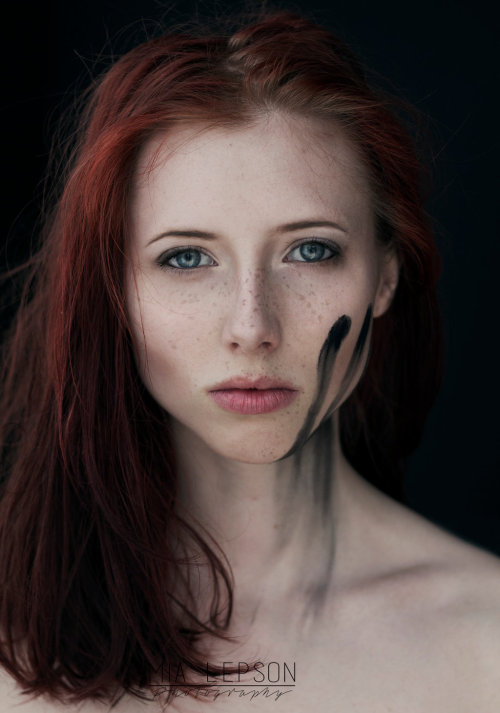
{"x": 354, "y": 362}
{"x": 324, "y": 436}
{"x": 317, "y": 479}
{"x": 323, "y": 465}
{"x": 326, "y": 361}
{"x": 323, "y": 472}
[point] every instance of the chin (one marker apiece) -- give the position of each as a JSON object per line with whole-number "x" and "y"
{"x": 252, "y": 452}
{"x": 244, "y": 444}
{"x": 264, "y": 459}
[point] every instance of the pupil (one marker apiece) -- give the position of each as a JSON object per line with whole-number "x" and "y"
{"x": 189, "y": 258}
{"x": 312, "y": 251}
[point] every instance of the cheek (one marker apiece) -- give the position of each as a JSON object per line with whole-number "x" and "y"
{"x": 350, "y": 363}
{"x": 166, "y": 341}
{"x": 168, "y": 349}
{"x": 186, "y": 299}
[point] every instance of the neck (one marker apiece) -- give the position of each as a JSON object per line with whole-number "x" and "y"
{"x": 276, "y": 523}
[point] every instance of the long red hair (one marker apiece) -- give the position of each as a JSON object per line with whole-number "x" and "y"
{"x": 90, "y": 539}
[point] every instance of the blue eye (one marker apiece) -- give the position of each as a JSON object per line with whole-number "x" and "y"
{"x": 185, "y": 259}
{"x": 313, "y": 251}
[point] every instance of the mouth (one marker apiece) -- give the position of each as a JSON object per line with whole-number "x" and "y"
{"x": 253, "y": 396}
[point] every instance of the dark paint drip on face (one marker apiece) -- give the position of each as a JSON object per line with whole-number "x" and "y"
{"x": 326, "y": 361}
{"x": 324, "y": 435}
{"x": 320, "y": 478}
{"x": 323, "y": 466}
{"x": 353, "y": 363}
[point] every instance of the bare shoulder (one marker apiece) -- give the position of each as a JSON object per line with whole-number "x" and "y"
{"x": 447, "y": 571}
{"x": 465, "y": 609}
{"x": 470, "y": 580}
{"x": 450, "y": 591}
{"x": 12, "y": 699}
{"x": 428, "y": 609}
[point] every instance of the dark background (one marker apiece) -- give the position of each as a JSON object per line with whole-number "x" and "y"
{"x": 442, "y": 57}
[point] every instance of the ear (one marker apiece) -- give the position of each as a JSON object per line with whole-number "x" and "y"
{"x": 388, "y": 281}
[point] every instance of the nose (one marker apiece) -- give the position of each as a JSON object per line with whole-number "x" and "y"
{"x": 252, "y": 322}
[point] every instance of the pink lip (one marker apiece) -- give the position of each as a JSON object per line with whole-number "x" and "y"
{"x": 261, "y": 382}
{"x": 253, "y": 396}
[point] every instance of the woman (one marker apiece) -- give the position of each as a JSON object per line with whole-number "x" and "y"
{"x": 230, "y": 332}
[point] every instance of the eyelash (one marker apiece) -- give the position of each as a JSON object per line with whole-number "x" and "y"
{"x": 174, "y": 252}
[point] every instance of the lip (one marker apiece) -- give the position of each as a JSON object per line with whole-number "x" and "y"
{"x": 253, "y": 396}
{"x": 245, "y": 382}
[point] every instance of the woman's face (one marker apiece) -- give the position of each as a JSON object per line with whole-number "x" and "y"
{"x": 247, "y": 246}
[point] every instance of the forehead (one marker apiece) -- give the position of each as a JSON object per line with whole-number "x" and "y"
{"x": 278, "y": 169}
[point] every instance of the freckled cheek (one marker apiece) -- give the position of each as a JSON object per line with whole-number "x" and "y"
{"x": 174, "y": 349}
{"x": 200, "y": 298}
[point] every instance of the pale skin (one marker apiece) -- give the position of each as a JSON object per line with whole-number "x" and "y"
{"x": 379, "y": 609}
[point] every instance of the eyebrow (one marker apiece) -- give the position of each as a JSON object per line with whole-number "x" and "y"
{"x": 287, "y": 228}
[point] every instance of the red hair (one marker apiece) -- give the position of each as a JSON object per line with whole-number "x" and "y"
{"x": 89, "y": 532}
